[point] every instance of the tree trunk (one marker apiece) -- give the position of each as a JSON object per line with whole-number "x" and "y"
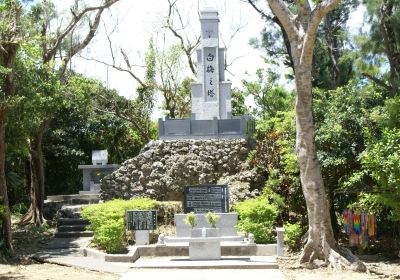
{"x": 321, "y": 243}
{"x": 320, "y": 233}
{"x": 6, "y": 218}
{"x": 8, "y": 52}
{"x": 35, "y": 212}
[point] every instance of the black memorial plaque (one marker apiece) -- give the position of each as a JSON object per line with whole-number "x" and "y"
{"x": 206, "y": 198}
{"x": 141, "y": 219}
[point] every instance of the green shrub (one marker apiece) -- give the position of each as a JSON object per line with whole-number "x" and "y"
{"x": 257, "y": 216}
{"x": 293, "y": 233}
{"x": 212, "y": 219}
{"x": 19, "y": 209}
{"x": 107, "y": 221}
{"x": 166, "y": 211}
{"x": 191, "y": 220}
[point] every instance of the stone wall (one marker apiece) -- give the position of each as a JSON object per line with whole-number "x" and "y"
{"x": 164, "y": 167}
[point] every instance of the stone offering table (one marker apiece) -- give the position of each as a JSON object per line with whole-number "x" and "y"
{"x": 205, "y": 248}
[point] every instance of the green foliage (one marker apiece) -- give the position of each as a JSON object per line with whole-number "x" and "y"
{"x": 174, "y": 87}
{"x": 293, "y": 234}
{"x": 212, "y": 219}
{"x": 239, "y": 107}
{"x": 275, "y": 154}
{"x": 107, "y": 221}
{"x": 268, "y": 97}
{"x": 19, "y": 209}
{"x": 166, "y": 211}
{"x": 191, "y": 220}
{"x": 257, "y": 216}
{"x": 381, "y": 161}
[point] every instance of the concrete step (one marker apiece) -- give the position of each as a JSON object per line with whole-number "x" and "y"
{"x": 72, "y": 234}
{"x": 226, "y": 262}
{"x": 73, "y": 198}
{"x": 66, "y": 243}
{"x": 72, "y": 221}
{"x": 66, "y": 228}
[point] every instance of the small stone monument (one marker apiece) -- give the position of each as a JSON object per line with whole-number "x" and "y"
{"x": 141, "y": 221}
{"x": 92, "y": 174}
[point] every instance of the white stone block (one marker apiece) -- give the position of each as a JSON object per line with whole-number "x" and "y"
{"x": 142, "y": 237}
{"x": 204, "y": 249}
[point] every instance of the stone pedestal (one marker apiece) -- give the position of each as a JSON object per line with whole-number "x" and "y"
{"x": 208, "y": 248}
{"x": 142, "y": 237}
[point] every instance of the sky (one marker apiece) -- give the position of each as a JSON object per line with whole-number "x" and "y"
{"x": 133, "y": 23}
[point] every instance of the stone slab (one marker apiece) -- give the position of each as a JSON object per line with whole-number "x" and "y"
{"x": 234, "y": 262}
{"x": 226, "y": 224}
{"x": 173, "y": 239}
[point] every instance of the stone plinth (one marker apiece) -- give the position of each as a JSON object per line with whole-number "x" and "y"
{"x": 226, "y": 224}
{"x": 233, "y": 128}
{"x": 208, "y": 248}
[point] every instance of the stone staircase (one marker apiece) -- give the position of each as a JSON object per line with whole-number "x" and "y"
{"x": 72, "y": 228}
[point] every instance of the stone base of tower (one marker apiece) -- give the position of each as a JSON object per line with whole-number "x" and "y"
{"x": 241, "y": 127}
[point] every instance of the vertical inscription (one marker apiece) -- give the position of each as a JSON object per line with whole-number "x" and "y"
{"x": 141, "y": 219}
{"x": 210, "y": 74}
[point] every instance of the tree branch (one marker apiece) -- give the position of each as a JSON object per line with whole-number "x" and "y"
{"x": 315, "y": 19}
{"x": 286, "y": 17}
{"x": 377, "y": 81}
{"x": 72, "y": 24}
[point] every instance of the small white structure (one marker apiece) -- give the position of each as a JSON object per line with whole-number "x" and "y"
{"x": 99, "y": 157}
{"x": 92, "y": 174}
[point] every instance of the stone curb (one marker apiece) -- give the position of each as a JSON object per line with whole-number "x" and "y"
{"x": 161, "y": 250}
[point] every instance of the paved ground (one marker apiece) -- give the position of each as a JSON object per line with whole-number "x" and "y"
{"x": 61, "y": 252}
{"x": 208, "y": 274}
{"x": 75, "y": 259}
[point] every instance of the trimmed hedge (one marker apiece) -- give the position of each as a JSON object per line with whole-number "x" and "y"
{"x": 257, "y": 216}
{"x": 107, "y": 221}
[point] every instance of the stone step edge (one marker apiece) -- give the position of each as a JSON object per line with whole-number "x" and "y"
{"x": 72, "y": 228}
{"x": 216, "y": 266}
{"x": 72, "y": 221}
{"x": 66, "y": 234}
{"x": 134, "y": 254}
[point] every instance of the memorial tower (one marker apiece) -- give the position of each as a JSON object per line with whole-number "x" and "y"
{"x": 211, "y": 95}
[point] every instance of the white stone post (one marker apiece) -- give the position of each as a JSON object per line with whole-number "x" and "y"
{"x": 280, "y": 232}
{"x": 142, "y": 237}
